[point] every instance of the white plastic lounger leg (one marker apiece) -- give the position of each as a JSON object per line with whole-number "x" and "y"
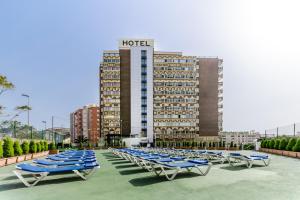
{"x": 171, "y": 176}
{"x": 79, "y": 174}
{"x": 26, "y": 183}
{"x": 203, "y": 173}
{"x": 267, "y": 162}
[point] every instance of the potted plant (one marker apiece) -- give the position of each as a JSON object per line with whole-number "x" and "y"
{"x": 38, "y": 150}
{"x": 8, "y": 151}
{"x": 33, "y": 148}
{"x": 53, "y": 149}
{"x": 25, "y": 148}
{"x": 296, "y": 148}
{"x": 289, "y": 148}
{"x": 18, "y": 151}
{"x": 2, "y": 160}
{"x": 46, "y": 152}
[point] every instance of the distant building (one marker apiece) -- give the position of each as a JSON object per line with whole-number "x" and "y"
{"x": 239, "y": 137}
{"x": 84, "y": 122}
{"x": 57, "y": 134}
{"x": 156, "y": 95}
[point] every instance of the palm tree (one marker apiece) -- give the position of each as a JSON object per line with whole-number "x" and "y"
{"x": 5, "y": 84}
{"x": 81, "y": 139}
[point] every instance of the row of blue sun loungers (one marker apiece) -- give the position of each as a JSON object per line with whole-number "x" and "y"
{"x": 82, "y": 163}
{"x": 170, "y": 162}
{"x": 164, "y": 164}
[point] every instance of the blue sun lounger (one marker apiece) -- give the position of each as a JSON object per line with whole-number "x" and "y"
{"x": 248, "y": 160}
{"x": 62, "y": 163}
{"x": 39, "y": 173}
{"x": 180, "y": 166}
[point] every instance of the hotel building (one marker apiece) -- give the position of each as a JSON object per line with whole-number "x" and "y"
{"x": 85, "y": 123}
{"x": 157, "y": 95}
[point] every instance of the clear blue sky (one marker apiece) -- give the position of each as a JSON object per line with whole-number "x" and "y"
{"x": 51, "y": 50}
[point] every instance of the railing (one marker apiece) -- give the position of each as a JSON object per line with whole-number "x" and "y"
{"x": 291, "y": 130}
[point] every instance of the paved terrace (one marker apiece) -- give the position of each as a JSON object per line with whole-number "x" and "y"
{"x": 119, "y": 179}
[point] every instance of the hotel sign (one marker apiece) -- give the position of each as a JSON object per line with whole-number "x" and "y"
{"x": 127, "y": 43}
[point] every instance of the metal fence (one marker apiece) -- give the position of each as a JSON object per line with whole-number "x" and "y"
{"x": 290, "y": 130}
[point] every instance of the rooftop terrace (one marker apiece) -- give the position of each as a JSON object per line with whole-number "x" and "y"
{"x": 119, "y": 179}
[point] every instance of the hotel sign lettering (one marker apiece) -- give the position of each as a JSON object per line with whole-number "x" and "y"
{"x": 127, "y": 43}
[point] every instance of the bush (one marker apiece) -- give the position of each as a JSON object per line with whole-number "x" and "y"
{"x": 248, "y": 147}
{"x": 42, "y": 145}
{"x": 8, "y": 147}
{"x": 25, "y": 147}
{"x": 45, "y": 146}
{"x": 297, "y": 146}
{"x": 272, "y": 144}
{"x": 1, "y": 149}
{"x": 38, "y": 147}
{"x": 276, "y": 145}
{"x": 52, "y": 146}
{"x": 283, "y": 143}
{"x": 32, "y": 147}
{"x": 17, "y": 148}
{"x": 291, "y": 144}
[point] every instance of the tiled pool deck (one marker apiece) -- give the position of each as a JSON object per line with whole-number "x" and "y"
{"x": 119, "y": 179}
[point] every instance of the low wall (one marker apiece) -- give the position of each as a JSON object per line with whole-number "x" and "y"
{"x": 281, "y": 152}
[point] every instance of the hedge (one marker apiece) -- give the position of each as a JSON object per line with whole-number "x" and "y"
{"x": 1, "y": 150}
{"x": 291, "y": 144}
{"x": 17, "y": 148}
{"x": 272, "y": 144}
{"x": 45, "y": 146}
{"x": 25, "y": 147}
{"x": 276, "y": 145}
{"x": 38, "y": 147}
{"x": 32, "y": 147}
{"x": 8, "y": 147}
{"x": 297, "y": 146}
{"x": 42, "y": 145}
{"x": 283, "y": 144}
{"x": 52, "y": 146}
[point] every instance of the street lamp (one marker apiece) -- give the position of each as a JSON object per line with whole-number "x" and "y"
{"x": 44, "y": 135}
{"x": 27, "y": 96}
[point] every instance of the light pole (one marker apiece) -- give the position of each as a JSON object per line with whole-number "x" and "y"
{"x": 44, "y": 134}
{"x": 27, "y": 96}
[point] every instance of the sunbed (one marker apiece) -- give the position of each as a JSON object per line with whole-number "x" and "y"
{"x": 39, "y": 173}
{"x": 248, "y": 160}
{"x": 180, "y": 166}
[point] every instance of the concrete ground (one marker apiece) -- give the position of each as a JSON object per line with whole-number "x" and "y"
{"x": 119, "y": 179}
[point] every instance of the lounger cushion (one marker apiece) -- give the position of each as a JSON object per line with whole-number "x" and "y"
{"x": 180, "y": 164}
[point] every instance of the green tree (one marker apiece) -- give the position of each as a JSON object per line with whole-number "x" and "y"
{"x": 38, "y": 147}
{"x": 8, "y": 147}
{"x": 32, "y": 147}
{"x": 25, "y": 147}
{"x": 272, "y": 144}
{"x": 1, "y": 149}
{"x": 17, "y": 148}
{"x": 45, "y": 146}
{"x": 291, "y": 144}
{"x": 283, "y": 144}
{"x": 276, "y": 145}
{"x": 52, "y": 146}
{"x": 5, "y": 84}
{"x": 42, "y": 145}
{"x": 297, "y": 146}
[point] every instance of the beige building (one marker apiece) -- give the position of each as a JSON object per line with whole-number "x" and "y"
{"x": 158, "y": 95}
{"x": 239, "y": 137}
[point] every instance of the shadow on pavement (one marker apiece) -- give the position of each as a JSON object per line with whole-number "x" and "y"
{"x": 121, "y": 162}
{"x": 125, "y": 166}
{"x": 149, "y": 180}
{"x": 132, "y": 171}
{"x": 12, "y": 186}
